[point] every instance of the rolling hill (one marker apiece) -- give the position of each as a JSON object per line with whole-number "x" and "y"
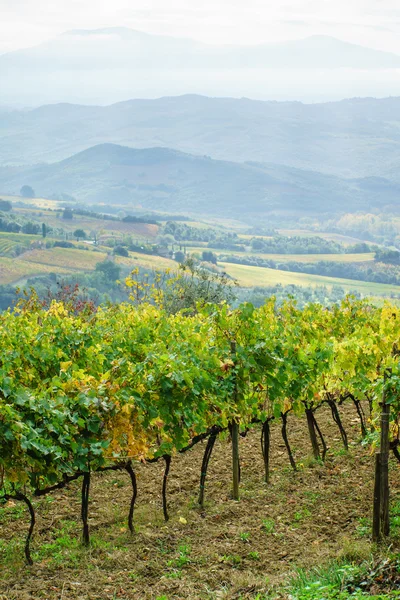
{"x": 351, "y": 138}
{"x": 165, "y": 179}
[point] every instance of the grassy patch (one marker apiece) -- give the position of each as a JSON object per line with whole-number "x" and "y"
{"x": 259, "y": 276}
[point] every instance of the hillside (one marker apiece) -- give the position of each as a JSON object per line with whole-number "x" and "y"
{"x": 165, "y": 179}
{"x": 352, "y": 138}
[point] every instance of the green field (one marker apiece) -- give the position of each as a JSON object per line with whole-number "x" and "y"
{"x": 304, "y": 258}
{"x": 148, "y": 261}
{"x": 259, "y": 276}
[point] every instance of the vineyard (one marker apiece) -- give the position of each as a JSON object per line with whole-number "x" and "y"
{"x": 9, "y": 242}
{"x": 85, "y": 391}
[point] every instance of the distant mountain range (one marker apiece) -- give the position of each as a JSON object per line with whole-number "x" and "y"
{"x": 117, "y": 63}
{"x": 351, "y": 138}
{"x": 165, "y": 179}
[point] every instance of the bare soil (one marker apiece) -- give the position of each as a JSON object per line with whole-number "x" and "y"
{"x": 229, "y": 550}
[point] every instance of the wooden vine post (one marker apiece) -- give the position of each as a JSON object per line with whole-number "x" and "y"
{"x": 380, "y": 525}
{"x": 235, "y": 436}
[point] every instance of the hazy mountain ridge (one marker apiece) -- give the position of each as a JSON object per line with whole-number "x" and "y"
{"x": 116, "y": 63}
{"x": 165, "y": 179}
{"x": 351, "y": 138}
{"x": 116, "y": 46}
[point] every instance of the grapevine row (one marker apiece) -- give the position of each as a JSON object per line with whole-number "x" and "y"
{"x": 97, "y": 390}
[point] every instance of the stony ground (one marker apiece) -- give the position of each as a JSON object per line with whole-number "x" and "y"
{"x": 229, "y": 550}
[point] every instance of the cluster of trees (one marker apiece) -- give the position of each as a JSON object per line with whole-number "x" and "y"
{"x": 209, "y": 256}
{"x": 384, "y": 255}
{"x": 9, "y": 223}
{"x": 295, "y": 245}
{"x": 183, "y": 232}
{"x": 144, "y": 219}
{"x": 383, "y": 228}
{"x": 5, "y": 205}
{"x": 226, "y": 246}
{"x": 317, "y": 295}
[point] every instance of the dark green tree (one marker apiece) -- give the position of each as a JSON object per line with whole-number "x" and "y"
{"x": 209, "y": 256}
{"x": 179, "y": 256}
{"x": 67, "y": 213}
{"x": 27, "y": 191}
{"x": 79, "y": 234}
{"x": 121, "y": 251}
{"x": 109, "y": 269}
{"x": 5, "y": 205}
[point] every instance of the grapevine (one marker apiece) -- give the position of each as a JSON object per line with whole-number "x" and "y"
{"x": 84, "y": 391}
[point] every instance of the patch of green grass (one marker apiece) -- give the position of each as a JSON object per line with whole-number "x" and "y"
{"x": 300, "y": 515}
{"x": 364, "y": 527}
{"x": 249, "y": 276}
{"x": 181, "y": 560}
{"x": 231, "y": 559}
{"x": 336, "y": 581}
{"x": 244, "y": 536}
{"x": 11, "y": 552}
{"x": 312, "y": 496}
{"x": 324, "y": 582}
{"x": 395, "y": 519}
{"x": 12, "y": 511}
{"x": 268, "y": 525}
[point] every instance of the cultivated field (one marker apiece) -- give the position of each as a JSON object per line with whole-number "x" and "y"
{"x": 260, "y": 276}
{"x": 9, "y": 242}
{"x": 304, "y": 258}
{"x": 15, "y": 269}
{"x": 70, "y": 260}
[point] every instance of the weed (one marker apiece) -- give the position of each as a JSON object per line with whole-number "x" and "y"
{"x": 364, "y": 527}
{"x": 182, "y": 559}
{"x": 231, "y": 559}
{"x": 268, "y": 525}
{"x": 301, "y": 515}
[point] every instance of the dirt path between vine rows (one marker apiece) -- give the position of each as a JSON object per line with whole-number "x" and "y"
{"x": 229, "y": 550}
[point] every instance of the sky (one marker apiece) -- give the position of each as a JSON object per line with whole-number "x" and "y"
{"x": 374, "y": 23}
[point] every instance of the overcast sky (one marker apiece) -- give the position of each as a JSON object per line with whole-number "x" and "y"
{"x": 374, "y": 23}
